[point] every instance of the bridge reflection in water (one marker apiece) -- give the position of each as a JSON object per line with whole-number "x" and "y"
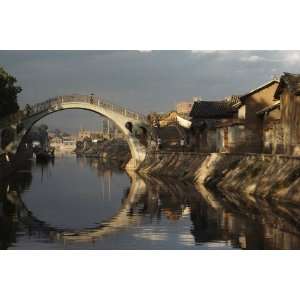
{"x": 154, "y": 213}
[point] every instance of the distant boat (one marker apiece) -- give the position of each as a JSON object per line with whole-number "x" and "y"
{"x": 44, "y": 155}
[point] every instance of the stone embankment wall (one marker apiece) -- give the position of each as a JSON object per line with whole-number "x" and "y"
{"x": 198, "y": 167}
{"x": 265, "y": 176}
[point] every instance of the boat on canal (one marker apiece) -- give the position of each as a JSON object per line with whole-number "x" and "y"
{"x": 44, "y": 155}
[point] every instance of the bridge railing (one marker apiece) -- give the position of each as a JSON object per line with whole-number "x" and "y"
{"x": 54, "y": 102}
{"x": 94, "y": 100}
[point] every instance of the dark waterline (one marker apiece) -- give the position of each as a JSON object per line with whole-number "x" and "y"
{"x": 79, "y": 203}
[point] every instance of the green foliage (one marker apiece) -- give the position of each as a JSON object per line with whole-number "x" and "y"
{"x": 8, "y": 94}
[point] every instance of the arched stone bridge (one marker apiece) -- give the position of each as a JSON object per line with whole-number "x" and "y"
{"x": 127, "y": 121}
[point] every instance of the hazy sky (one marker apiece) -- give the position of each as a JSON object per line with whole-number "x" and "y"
{"x": 141, "y": 81}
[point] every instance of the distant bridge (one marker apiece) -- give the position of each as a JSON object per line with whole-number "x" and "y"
{"x": 127, "y": 121}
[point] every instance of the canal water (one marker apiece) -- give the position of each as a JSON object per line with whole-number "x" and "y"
{"x": 80, "y": 203}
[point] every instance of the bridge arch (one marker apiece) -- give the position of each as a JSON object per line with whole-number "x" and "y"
{"x": 117, "y": 114}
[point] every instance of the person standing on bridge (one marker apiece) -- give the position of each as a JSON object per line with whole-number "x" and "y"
{"x": 91, "y": 98}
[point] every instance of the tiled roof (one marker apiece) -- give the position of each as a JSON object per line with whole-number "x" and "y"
{"x": 168, "y": 132}
{"x": 291, "y": 81}
{"x": 216, "y": 109}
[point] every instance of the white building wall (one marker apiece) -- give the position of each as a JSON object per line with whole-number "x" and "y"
{"x": 219, "y": 139}
{"x": 242, "y": 112}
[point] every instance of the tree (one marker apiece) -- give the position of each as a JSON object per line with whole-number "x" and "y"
{"x": 43, "y": 128}
{"x": 8, "y": 94}
{"x": 43, "y": 135}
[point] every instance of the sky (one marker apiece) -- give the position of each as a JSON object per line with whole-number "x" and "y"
{"x": 143, "y": 81}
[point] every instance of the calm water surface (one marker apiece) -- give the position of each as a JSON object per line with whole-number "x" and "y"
{"x": 79, "y": 203}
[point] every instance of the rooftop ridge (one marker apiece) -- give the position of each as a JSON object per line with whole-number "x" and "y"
{"x": 260, "y": 87}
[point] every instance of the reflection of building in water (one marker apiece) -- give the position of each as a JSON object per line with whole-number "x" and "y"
{"x": 244, "y": 224}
